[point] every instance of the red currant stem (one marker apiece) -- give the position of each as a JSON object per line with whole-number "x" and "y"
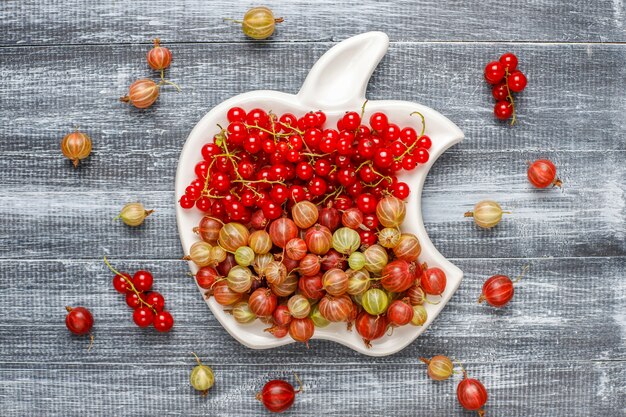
{"x": 264, "y": 181}
{"x": 162, "y": 82}
{"x": 413, "y": 145}
{"x": 295, "y": 129}
{"x": 521, "y": 275}
{"x": 266, "y": 130}
{"x": 333, "y": 194}
{"x": 509, "y": 95}
{"x": 363, "y": 164}
{"x": 300, "y": 386}
{"x": 363, "y": 110}
{"x": 130, "y": 283}
{"x": 315, "y": 155}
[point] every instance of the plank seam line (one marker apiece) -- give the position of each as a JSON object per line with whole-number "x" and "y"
{"x": 244, "y": 42}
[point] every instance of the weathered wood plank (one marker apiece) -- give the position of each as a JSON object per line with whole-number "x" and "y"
{"x": 586, "y": 218}
{"x": 574, "y": 100}
{"x": 37, "y": 22}
{"x": 564, "y": 309}
{"x": 555, "y": 389}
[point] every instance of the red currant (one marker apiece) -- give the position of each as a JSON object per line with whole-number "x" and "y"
{"x": 500, "y": 92}
{"x": 220, "y": 182}
{"x": 355, "y": 189}
{"x": 368, "y": 237}
{"x": 304, "y": 171}
{"x": 400, "y": 190}
{"x": 252, "y": 144}
{"x": 121, "y": 284}
{"x": 186, "y": 202}
{"x": 421, "y": 155}
{"x": 209, "y": 151}
{"x": 297, "y": 193}
{"x": 258, "y": 117}
{"x": 383, "y": 158}
{"x": 245, "y": 170}
{"x": 424, "y": 142}
{"x": 494, "y": 72}
{"x": 517, "y": 81}
{"x": 322, "y": 167}
{"x": 397, "y": 148}
{"x": 509, "y": 61}
{"x": 287, "y": 122}
{"x": 351, "y": 120}
{"x": 321, "y": 118}
{"x": 366, "y": 203}
{"x": 310, "y": 120}
{"x": 133, "y": 301}
{"x": 370, "y": 221}
{"x": 142, "y": 280}
{"x": 408, "y": 136}
{"x": 346, "y": 177}
{"x": 367, "y": 174}
{"x": 366, "y": 148}
{"x": 409, "y": 162}
{"x": 163, "y": 321}
{"x": 312, "y": 137}
{"x": 279, "y": 193}
{"x": 202, "y": 169}
{"x": 203, "y": 204}
{"x": 156, "y": 300}
{"x": 143, "y": 316}
{"x": 378, "y": 121}
{"x": 317, "y": 186}
{"x": 271, "y": 210}
{"x": 391, "y": 133}
{"x": 236, "y": 114}
{"x": 503, "y": 110}
{"x": 193, "y": 192}
{"x": 343, "y": 202}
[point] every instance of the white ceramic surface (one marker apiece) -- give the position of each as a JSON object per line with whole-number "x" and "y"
{"x": 335, "y": 84}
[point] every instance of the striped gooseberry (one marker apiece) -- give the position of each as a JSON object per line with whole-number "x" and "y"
{"x": 242, "y": 313}
{"x": 408, "y": 248}
{"x": 76, "y": 146}
{"x": 200, "y": 253}
{"x": 400, "y": 312}
{"x": 209, "y": 229}
{"x": 358, "y": 281}
{"x": 356, "y": 261}
{"x": 263, "y": 302}
{"x": 206, "y": 277}
{"x": 389, "y": 237}
{"x": 375, "y": 301}
{"x": 375, "y": 258}
{"x": 239, "y": 279}
{"x": 542, "y": 174}
{"x": 472, "y": 394}
{"x": 233, "y": 235}
{"x": 433, "y": 281}
{"x": 299, "y": 306}
{"x": 310, "y": 264}
{"x": 275, "y": 272}
{"x": 487, "y": 214}
{"x": 416, "y": 295}
{"x": 281, "y": 315}
{"x": 439, "y": 368}
{"x": 318, "y": 319}
{"x": 370, "y": 327}
{"x": 420, "y": 315}
{"x": 282, "y": 231}
{"x": 159, "y": 57}
{"x": 398, "y": 276}
{"x": 330, "y": 218}
{"x": 346, "y": 240}
{"x": 261, "y": 262}
{"x": 301, "y": 330}
{"x": 260, "y": 241}
{"x": 244, "y": 256}
{"x": 352, "y": 218}
{"x": 335, "y": 309}
{"x": 318, "y": 239}
{"x": 224, "y": 295}
{"x": 296, "y": 249}
{"x": 311, "y": 286}
{"x": 335, "y": 281}
{"x": 304, "y": 214}
{"x": 287, "y": 287}
{"x": 391, "y": 211}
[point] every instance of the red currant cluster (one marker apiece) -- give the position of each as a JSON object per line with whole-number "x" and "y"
{"x": 148, "y": 306}
{"x": 506, "y": 79}
{"x": 269, "y": 162}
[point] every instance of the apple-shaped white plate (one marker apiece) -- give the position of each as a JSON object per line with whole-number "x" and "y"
{"x": 336, "y": 84}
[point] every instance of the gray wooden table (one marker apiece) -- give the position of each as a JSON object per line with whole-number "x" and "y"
{"x": 557, "y": 350}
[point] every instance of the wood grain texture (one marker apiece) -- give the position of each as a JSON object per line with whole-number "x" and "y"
{"x": 574, "y": 100}
{"x": 36, "y": 22}
{"x": 345, "y": 390}
{"x": 567, "y": 309}
{"x": 559, "y": 349}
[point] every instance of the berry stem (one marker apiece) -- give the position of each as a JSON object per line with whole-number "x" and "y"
{"x": 130, "y": 283}
{"x": 413, "y": 145}
{"x": 509, "y": 95}
{"x": 521, "y": 275}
